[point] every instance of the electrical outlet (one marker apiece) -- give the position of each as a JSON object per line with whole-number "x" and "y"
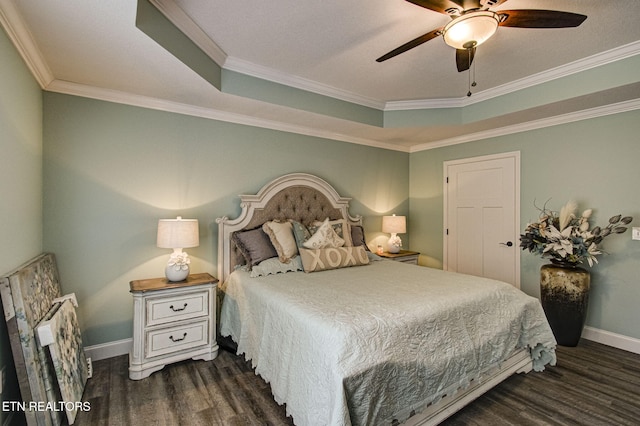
{"x": 635, "y": 233}
{"x": 89, "y": 368}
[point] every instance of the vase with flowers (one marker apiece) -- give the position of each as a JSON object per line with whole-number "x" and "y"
{"x": 569, "y": 242}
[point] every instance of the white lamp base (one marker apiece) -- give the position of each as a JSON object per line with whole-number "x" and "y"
{"x": 174, "y": 275}
{"x": 177, "y": 268}
{"x": 394, "y": 244}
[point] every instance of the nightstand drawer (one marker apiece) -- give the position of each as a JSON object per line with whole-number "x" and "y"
{"x": 164, "y": 310}
{"x": 404, "y": 256}
{"x": 408, "y": 259}
{"x": 167, "y": 340}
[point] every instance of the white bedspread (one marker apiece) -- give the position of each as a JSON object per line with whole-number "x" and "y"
{"x": 366, "y": 345}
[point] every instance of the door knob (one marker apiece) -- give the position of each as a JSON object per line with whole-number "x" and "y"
{"x": 508, "y": 244}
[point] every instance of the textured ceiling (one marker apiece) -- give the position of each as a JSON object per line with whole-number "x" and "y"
{"x": 336, "y": 42}
{"x": 93, "y": 48}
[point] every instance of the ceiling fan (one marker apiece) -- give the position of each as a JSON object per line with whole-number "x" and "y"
{"x": 473, "y": 23}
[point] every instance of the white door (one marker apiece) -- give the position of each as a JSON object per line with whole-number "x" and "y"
{"x": 482, "y": 216}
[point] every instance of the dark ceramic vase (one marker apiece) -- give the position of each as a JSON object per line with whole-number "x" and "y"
{"x": 564, "y": 293}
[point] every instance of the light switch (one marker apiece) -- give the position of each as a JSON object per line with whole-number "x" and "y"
{"x": 635, "y": 233}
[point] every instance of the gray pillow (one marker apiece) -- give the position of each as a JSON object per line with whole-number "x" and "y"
{"x": 254, "y": 245}
{"x": 357, "y": 235}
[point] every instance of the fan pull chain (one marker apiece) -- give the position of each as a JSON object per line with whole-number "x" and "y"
{"x": 470, "y": 84}
{"x": 469, "y": 74}
{"x": 474, "y": 75}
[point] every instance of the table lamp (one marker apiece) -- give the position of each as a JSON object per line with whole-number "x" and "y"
{"x": 177, "y": 234}
{"x": 394, "y": 225}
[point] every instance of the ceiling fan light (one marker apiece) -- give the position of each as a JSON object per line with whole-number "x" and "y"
{"x": 470, "y": 30}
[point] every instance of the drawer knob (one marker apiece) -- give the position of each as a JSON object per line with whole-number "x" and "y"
{"x": 178, "y": 309}
{"x": 184, "y": 336}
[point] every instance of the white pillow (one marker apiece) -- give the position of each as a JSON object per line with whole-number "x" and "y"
{"x": 274, "y": 266}
{"x": 342, "y": 228}
{"x": 281, "y": 236}
{"x": 324, "y": 237}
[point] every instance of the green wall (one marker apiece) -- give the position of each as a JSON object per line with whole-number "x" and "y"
{"x": 111, "y": 171}
{"x": 593, "y": 162}
{"x": 20, "y": 182}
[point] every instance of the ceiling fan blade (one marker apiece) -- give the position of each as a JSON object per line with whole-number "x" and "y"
{"x": 411, "y": 44}
{"x": 464, "y": 58}
{"x": 446, "y": 6}
{"x": 532, "y": 18}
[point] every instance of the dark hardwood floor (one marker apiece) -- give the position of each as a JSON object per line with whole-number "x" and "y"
{"x": 592, "y": 384}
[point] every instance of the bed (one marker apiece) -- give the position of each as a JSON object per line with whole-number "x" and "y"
{"x": 344, "y": 337}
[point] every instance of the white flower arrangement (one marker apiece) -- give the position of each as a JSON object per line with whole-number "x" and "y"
{"x": 395, "y": 241}
{"x": 179, "y": 261}
{"x": 568, "y": 239}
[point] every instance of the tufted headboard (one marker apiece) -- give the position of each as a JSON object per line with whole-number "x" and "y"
{"x": 299, "y": 196}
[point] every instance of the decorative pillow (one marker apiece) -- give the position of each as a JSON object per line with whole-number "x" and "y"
{"x": 274, "y": 266}
{"x": 325, "y": 236}
{"x": 333, "y": 258}
{"x": 254, "y": 245}
{"x": 300, "y": 232}
{"x": 340, "y": 226}
{"x": 357, "y": 236}
{"x": 281, "y": 236}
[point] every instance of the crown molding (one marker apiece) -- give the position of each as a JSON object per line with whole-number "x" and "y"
{"x": 586, "y": 114}
{"x": 69, "y": 88}
{"x": 108, "y": 95}
{"x": 594, "y": 61}
{"x": 19, "y": 34}
{"x": 185, "y": 24}
{"x": 575, "y": 67}
{"x": 424, "y": 104}
{"x": 275, "y": 76}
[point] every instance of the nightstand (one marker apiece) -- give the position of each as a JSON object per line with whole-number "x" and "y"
{"x": 172, "y": 321}
{"x": 404, "y": 256}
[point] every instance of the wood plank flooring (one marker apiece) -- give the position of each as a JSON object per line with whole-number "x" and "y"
{"x": 592, "y": 384}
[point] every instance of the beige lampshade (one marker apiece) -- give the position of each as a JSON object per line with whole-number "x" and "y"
{"x": 178, "y": 233}
{"x": 394, "y": 224}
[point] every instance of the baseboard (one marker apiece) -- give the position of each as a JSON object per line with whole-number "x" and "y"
{"x": 612, "y": 339}
{"x": 108, "y": 350}
{"x": 122, "y": 347}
